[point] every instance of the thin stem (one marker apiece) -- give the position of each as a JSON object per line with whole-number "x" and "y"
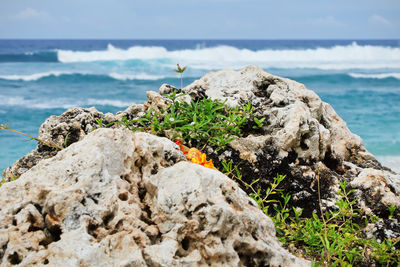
{"x": 49, "y": 144}
{"x": 323, "y": 217}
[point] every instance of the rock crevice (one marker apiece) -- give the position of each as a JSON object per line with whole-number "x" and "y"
{"x": 119, "y": 198}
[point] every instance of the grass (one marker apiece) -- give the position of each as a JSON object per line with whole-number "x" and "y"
{"x": 330, "y": 238}
{"x": 198, "y": 124}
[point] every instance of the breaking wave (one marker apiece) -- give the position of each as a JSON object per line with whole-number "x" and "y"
{"x": 33, "y": 77}
{"x": 19, "y": 101}
{"x": 51, "y": 74}
{"x": 351, "y": 56}
{"x": 375, "y": 76}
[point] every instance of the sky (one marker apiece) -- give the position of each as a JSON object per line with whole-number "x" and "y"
{"x": 201, "y": 19}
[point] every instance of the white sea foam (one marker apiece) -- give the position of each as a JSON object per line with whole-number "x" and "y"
{"x": 337, "y": 57}
{"x": 391, "y": 161}
{"x": 375, "y": 76}
{"x": 108, "y": 102}
{"x": 140, "y": 76}
{"x": 117, "y": 76}
{"x": 20, "y": 101}
{"x": 33, "y": 77}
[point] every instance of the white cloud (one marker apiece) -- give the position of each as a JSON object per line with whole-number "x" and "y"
{"x": 378, "y": 20}
{"x": 30, "y": 13}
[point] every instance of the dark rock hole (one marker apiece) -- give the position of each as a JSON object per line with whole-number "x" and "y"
{"x": 108, "y": 218}
{"x": 185, "y": 243}
{"x": 14, "y": 258}
{"x": 137, "y": 163}
{"x": 142, "y": 193}
{"x": 331, "y": 162}
{"x": 303, "y": 144}
{"x": 3, "y": 250}
{"x": 38, "y": 207}
{"x": 91, "y": 229}
{"x": 33, "y": 228}
{"x": 202, "y": 205}
{"x": 154, "y": 170}
{"x": 95, "y": 198}
{"x": 56, "y": 232}
{"x": 123, "y": 196}
{"x": 146, "y": 216}
{"x": 72, "y": 137}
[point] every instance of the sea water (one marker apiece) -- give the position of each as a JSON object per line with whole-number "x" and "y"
{"x": 40, "y": 78}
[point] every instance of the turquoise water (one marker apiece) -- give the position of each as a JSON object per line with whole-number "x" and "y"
{"x": 39, "y": 78}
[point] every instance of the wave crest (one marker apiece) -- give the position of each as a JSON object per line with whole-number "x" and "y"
{"x": 336, "y": 57}
{"x": 115, "y": 76}
{"x": 376, "y": 76}
{"x": 33, "y": 77}
{"x": 19, "y": 101}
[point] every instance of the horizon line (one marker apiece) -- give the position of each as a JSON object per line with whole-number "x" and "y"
{"x": 210, "y": 39}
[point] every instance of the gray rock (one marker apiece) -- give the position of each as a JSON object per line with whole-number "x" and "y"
{"x": 118, "y": 198}
{"x": 296, "y": 118}
{"x": 302, "y": 137}
{"x": 383, "y": 229}
{"x": 66, "y": 129}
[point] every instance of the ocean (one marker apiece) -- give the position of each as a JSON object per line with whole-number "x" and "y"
{"x": 40, "y": 78}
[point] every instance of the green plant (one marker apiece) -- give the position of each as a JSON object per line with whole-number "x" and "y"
{"x": 46, "y": 143}
{"x": 197, "y": 123}
{"x": 66, "y": 140}
{"x": 328, "y": 238}
{"x": 180, "y": 71}
{"x": 392, "y": 209}
{"x": 259, "y": 123}
{"x": 102, "y": 125}
{"x": 11, "y": 178}
{"x": 331, "y": 239}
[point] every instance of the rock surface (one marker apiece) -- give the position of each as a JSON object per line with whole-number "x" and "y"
{"x": 66, "y": 129}
{"x": 119, "y": 198}
{"x": 302, "y": 138}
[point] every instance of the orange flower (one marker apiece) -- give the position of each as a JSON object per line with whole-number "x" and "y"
{"x": 184, "y": 149}
{"x": 209, "y": 164}
{"x": 195, "y": 155}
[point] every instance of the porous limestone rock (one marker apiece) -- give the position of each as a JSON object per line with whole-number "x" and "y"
{"x": 66, "y": 129}
{"x": 302, "y": 137}
{"x": 295, "y": 117}
{"x": 118, "y": 198}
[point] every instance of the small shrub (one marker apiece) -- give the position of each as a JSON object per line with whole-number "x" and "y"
{"x": 200, "y": 123}
{"x": 332, "y": 238}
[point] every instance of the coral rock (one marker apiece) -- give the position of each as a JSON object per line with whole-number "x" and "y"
{"x": 118, "y": 198}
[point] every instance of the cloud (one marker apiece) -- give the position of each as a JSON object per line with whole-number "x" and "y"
{"x": 378, "y": 20}
{"x": 30, "y": 13}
